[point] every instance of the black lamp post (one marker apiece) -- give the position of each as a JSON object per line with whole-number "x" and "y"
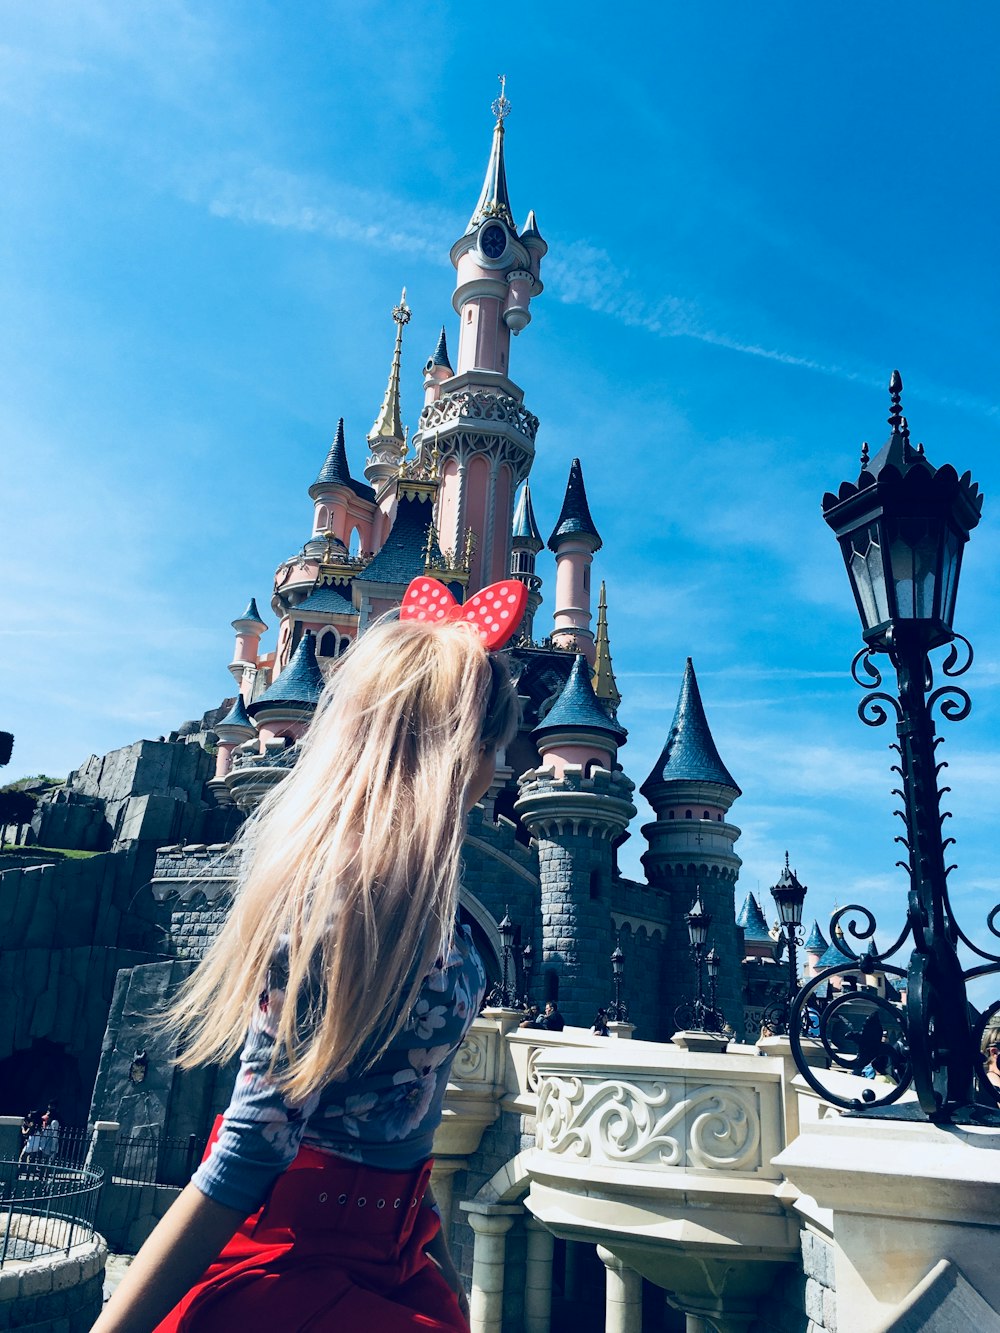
{"x": 502, "y": 995}
{"x": 618, "y": 1009}
{"x": 695, "y": 1015}
{"x": 902, "y": 528}
{"x": 527, "y": 967}
{"x": 789, "y": 895}
{"x": 712, "y": 961}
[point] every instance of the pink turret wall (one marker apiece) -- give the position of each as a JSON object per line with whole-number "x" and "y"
{"x": 503, "y": 502}
{"x": 571, "y": 618}
{"x": 561, "y": 757}
{"x": 448, "y": 507}
{"x": 224, "y": 757}
{"x": 477, "y": 478}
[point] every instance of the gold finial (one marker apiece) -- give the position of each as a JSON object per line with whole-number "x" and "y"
{"x": 470, "y": 546}
{"x": 401, "y": 313}
{"x": 388, "y": 424}
{"x": 501, "y": 107}
{"x": 605, "y": 686}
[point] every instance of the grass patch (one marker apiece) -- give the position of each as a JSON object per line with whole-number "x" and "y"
{"x": 46, "y": 853}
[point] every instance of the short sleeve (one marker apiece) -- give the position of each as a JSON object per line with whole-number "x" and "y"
{"x": 261, "y": 1131}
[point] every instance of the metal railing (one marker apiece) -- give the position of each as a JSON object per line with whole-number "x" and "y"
{"x": 45, "y": 1207}
{"x": 156, "y": 1159}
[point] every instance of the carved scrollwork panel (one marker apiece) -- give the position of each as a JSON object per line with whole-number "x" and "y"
{"x": 470, "y": 1063}
{"x": 654, "y": 1122}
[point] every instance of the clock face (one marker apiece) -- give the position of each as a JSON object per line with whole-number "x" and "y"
{"x": 493, "y": 241}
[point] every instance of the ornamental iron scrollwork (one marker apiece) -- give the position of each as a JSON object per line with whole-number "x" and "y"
{"x": 925, "y": 1033}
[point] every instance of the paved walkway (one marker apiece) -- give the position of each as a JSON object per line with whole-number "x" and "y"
{"x": 115, "y": 1271}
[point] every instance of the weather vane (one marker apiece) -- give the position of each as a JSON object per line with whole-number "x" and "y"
{"x": 501, "y": 107}
{"x": 401, "y": 313}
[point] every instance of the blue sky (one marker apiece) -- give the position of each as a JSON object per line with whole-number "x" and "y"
{"x": 754, "y": 213}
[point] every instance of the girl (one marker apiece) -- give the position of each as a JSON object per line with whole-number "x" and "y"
{"x": 343, "y": 946}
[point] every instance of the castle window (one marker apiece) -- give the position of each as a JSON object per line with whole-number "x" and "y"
{"x": 719, "y": 818}
{"x": 328, "y": 644}
{"x": 706, "y": 815}
{"x": 595, "y": 884}
{"x": 671, "y": 815}
{"x": 687, "y": 814}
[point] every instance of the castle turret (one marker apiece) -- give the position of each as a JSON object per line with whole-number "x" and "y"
{"x": 692, "y": 846}
{"x": 577, "y": 807}
{"x": 286, "y": 707}
{"x": 341, "y": 506}
{"x": 437, "y": 370}
{"x": 757, "y": 941}
{"x": 574, "y": 540}
{"x": 525, "y": 543}
{"x": 386, "y": 439}
{"x": 475, "y": 417}
{"x": 249, "y": 627}
{"x": 232, "y": 730}
{"x": 815, "y": 947}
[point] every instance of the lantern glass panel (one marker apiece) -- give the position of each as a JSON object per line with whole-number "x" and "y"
{"x": 868, "y": 576}
{"x": 950, "y": 563}
{"x": 913, "y": 549}
{"x": 789, "y": 904}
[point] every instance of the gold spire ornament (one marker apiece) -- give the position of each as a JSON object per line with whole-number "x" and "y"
{"x": 389, "y": 422}
{"x": 605, "y": 686}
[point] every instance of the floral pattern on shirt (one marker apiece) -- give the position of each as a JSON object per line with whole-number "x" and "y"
{"x": 383, "y": 1116}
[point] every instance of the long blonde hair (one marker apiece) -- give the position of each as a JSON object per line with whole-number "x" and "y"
{"x": 355, "y": 857}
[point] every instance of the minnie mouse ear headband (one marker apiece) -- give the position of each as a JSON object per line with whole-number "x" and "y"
{"x": 494, "y": 612}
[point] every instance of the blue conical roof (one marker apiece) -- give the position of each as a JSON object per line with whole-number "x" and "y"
{"x": 524, "y": 528}
{"x": 325, "y": 601}
{"x": 816, "y": 943}
{"x": 439, "y": 357}
{"x": 336, "y": 470}
{"x": 530, "y": 228}
{"x": 301, "y": 682}
{"x": 578, "y": 707}
{"x": 690, "y": 754}
{"x": 336, "y": 466}
{"x": 574, "y": 517}
{"x": 251, "y": 613}
{"x": 237, "y": 716}
{"x": 834, "y": 956}
{"x": 751, "y": 918}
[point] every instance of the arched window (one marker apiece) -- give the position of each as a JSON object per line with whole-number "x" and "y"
{"x": 328, "y": 644}
{"x": 687, "y": 814}
{"x": 355, "y": 542}
{"x": 719, "y": 818}
{"x": 671, "y": 815}
{"x": 706, "y": 815}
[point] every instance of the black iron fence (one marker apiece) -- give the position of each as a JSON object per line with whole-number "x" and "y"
{"x": 156, "y": 1159}
{"x": 45, "y": 1207}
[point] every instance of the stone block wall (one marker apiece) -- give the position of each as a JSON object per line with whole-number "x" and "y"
{"x": 803, "y": 1299}
{"x": 60, "y": 1293}
{"x": 65, "y": 931}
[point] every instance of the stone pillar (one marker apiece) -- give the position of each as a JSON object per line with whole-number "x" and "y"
{"x": 623, "y": 1308}
{"x": 538, "y": 1278}
{"x": 904, "y": 1195}
{"x": 10, "y": 1136}
{"x": 490, "y": 1224}
{"x": 442, "y": 1183}
{"x": 623, "y": 1031}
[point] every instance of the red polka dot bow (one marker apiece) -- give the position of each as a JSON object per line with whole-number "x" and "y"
{"x": 494, "y": 612}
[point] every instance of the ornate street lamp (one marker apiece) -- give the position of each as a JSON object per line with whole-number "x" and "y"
{"x": 695, "y": 1015}
{"x": 502, "y": 995}
{"x": 618, "y": 1009}
{"x": 789, "y": 895}
{"x": 527, "y": 967}
{"x": 902, "y": 529}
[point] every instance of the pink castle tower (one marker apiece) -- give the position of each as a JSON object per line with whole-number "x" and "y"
{"x": 474, "y": 418}
{"x": 249, "y": 627}
{"x": 574, "y": 541}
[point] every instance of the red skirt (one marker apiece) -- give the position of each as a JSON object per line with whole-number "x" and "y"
{"x": 337, "y": 1247}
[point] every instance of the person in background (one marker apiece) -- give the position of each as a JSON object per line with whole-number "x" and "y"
{"x": 31, "y": 1137}
{"x": 551, "y": 1020}
{"x": 600, "y": 1028}
{"x": 991, "y": 1052}
{"x": 49, "y": 1147}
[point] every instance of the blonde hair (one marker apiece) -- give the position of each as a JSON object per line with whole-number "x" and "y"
{"x": 355, "y": 857}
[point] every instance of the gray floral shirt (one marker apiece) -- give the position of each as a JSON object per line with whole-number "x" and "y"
{"x": 384, "y": 1117}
